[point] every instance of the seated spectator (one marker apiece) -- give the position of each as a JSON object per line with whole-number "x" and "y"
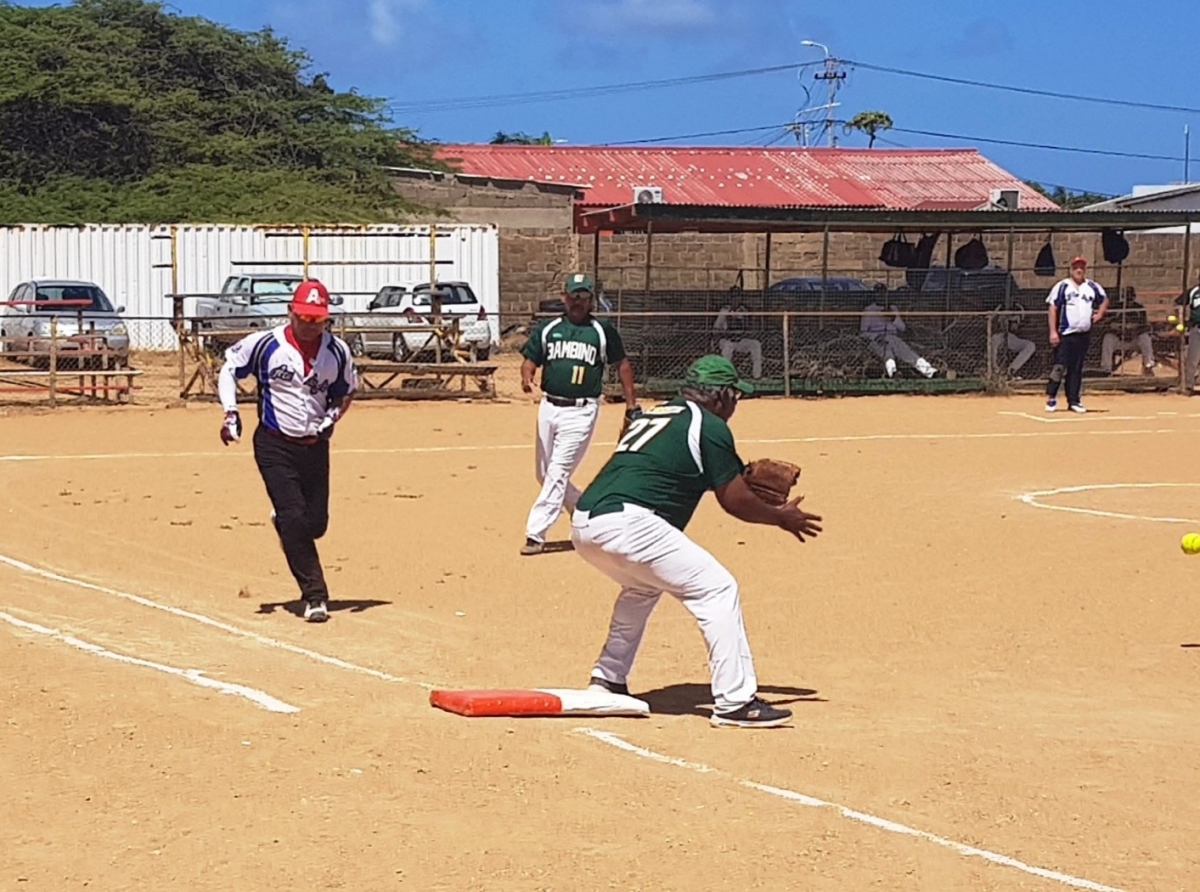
{"x": 1004, "y": 334}
{"x": 1127, "y": 332}
{"x": 883, "y": 337}
{"x": 733, "y": 324}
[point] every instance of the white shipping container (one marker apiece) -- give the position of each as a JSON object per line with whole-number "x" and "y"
{"x": 133, "y": 264}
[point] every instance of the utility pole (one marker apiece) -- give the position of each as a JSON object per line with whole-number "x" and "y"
{"x": 833, "y": 77}
{"x": 1187, "y": 153}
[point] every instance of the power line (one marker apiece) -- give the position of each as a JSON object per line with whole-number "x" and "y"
{"x": 1028, "y": 91}
{"x": 1036, "y": 145}
{"x": 440, "y": 105}
{"x": 657, "y": 139}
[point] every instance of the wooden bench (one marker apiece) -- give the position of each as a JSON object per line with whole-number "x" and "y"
{"x": 426, "y": 380}
{"x": 95, "y": 383}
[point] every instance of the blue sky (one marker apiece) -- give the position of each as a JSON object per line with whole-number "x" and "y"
{"x": 416, "y": 51}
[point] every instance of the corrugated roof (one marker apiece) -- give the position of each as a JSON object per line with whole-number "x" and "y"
{"x": 755, "y": 177}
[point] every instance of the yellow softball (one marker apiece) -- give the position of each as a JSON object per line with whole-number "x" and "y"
{"x": 1172, "y": 319}
{"x": 1180, "y": 327}
{"x": 1190, "y": 543}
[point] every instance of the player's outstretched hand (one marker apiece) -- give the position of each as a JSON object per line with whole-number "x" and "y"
{"x": 799, "y": 523}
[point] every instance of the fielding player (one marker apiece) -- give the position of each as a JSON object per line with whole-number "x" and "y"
{"x": 629, "y": 525}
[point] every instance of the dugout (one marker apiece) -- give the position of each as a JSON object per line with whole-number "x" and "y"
{"x": 809, "y": 338}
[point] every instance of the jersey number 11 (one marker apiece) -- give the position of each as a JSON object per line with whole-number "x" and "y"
{"x": 577, "y": 373}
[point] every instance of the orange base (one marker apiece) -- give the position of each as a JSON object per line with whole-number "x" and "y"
{"x": 497, "y": 703}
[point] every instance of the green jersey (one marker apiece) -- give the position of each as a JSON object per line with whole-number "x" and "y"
{"x": 667, "y": 460}
{"x": 571, "y": 356}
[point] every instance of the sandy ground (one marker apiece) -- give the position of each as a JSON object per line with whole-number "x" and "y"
{"x": 981, "y": 671}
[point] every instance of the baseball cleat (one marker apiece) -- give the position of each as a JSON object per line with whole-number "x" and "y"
{"x": 532, "y": 546}
{"x": 316, "y": 612}
{"x": 755, "y": 714}
{"x": 1079, "y": 408}
{"x": 603, "y": 684}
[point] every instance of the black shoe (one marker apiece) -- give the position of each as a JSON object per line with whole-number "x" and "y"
{"x": 613, "y": 687}
{"x": 755, "y": 714}
{"x": 316, "y": 612}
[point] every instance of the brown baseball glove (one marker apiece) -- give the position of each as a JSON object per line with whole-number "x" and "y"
{"x": 771, "y": 480}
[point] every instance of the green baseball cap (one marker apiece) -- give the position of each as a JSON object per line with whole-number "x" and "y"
{"x": 716, "y": 371}
{"x": 580, "y": 282}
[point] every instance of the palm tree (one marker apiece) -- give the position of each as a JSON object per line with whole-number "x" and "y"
{"x": 870, "y": 123}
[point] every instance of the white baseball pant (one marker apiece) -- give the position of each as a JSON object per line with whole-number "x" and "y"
{"x": 564, "y": 433}
{"x": 753, "y": 346}
{"x": 647, "y": 556}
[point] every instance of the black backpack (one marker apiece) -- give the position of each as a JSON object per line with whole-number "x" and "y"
{"x": 897, "y": 251}
{"x": 1045, "y": 265}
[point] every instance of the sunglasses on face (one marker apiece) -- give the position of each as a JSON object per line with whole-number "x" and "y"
{"x": 302, "y": 317}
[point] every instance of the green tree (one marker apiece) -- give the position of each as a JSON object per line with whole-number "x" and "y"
{"x": 119, "y": 111}
{"x": 870, "y": 123}
{"x": 521, "y": 139}
{"x": 1065, "y": 198}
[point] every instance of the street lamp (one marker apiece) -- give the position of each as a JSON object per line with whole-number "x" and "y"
{"x": 832, "y": 77}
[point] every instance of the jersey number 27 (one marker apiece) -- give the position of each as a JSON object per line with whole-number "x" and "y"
{"x": 641, "y": 431}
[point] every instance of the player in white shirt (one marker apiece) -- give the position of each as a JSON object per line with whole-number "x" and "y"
{"x": 883, "y": 337}
{"x": 1074, "y": 306}
{"x": 306, "y": 380}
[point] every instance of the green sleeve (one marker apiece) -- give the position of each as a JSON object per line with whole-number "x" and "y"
{"x": 533, "y": 347}
{"x": 616, "y": 346}
{"x": 717, "y": 452}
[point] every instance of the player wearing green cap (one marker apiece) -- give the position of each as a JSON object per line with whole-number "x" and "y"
{"x": 629, "y": 525}
{"x": 571, "y": 350}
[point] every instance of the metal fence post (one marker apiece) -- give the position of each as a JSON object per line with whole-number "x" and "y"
{"x": 53, "y": 360}
{"x": 787, "y": 356}
{"x": 987, "y": 346}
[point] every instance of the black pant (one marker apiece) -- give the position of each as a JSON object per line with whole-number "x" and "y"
{"x": 297, "y": 480}
{"x": 1068, "y": 360}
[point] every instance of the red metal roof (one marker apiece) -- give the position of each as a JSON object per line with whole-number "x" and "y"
{"x": 755, "y": 177}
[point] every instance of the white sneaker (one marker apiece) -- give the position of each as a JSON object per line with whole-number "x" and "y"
{"x": 315, "y": 612}
{"x": 889, "y": 366}
{"x": 1051, "y": 405}
{"x": 925, "y": 368}
{"x": 1078, "y": 408}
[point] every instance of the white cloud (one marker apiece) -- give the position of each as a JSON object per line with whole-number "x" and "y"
{"x": 384, "y": 18}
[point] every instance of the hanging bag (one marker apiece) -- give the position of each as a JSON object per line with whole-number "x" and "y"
{"x": 1045, "y": 265}
{"x": 972, "y": 255}
{"x": 897, "y": 252}
{"x": 1114, "y": 246}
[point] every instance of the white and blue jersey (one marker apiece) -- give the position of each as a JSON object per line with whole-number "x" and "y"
{"x": 1076, "y": 304}
{"x": 292, "y": 401}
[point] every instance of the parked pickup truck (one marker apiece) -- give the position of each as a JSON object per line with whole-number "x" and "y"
{"x": 249, "y": 300}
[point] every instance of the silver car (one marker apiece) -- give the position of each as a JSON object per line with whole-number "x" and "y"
{"x": 87, "y": 324}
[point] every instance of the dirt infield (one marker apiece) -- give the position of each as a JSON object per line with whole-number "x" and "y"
{"x": 991, "y": 693}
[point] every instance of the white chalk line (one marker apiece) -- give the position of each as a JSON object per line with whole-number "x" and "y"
{"x": 1033, "y": 499}
{"x": 259, "y": 698}
{"x": 211, "y": 623}
{"x": 418, "y": 450}
{"x": 1068, "y": 417}
{"x": 851, "y": 814}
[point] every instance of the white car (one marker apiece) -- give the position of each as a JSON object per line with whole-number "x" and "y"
{"x": 85, "y": 318}
{"x": 399, "y": 307}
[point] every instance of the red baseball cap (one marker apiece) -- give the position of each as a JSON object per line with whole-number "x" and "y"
{"x": 311, "y": 298}
{"x": 1078, "y": 261}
